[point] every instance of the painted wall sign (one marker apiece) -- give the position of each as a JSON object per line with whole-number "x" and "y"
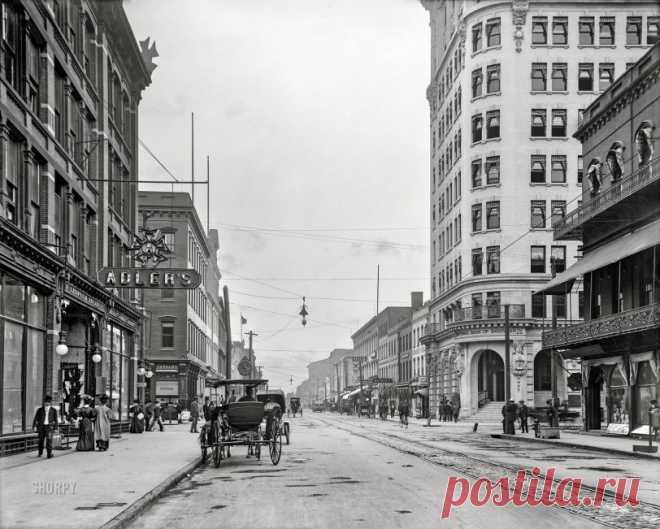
{"x": 167, "y": 388}
{"x": 150, "y": 278}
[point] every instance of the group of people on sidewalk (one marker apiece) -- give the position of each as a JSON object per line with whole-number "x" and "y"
{"x": 512, "y": 412}
{"x": 448, "y": 410}
{"x": 93, "y": 425}
{"x": 145, "y": 419}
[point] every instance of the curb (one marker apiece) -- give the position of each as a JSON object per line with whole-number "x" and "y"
{"x": 122, "y": 519}
{"x": 614, "y": 451}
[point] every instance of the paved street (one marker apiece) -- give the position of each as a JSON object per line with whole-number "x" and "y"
{"x": 339, "y": 472}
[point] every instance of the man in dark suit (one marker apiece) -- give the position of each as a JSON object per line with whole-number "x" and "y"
{"x": 45, "y": 422}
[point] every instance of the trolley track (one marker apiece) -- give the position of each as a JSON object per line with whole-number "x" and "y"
{"x": 642, "y": 516}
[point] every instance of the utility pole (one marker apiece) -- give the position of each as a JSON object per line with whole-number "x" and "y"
{"x": 208, "y": 193}
{"x": 192, "y": 155}
{"x": 251, "y": 352}
{"x": 225, "y": 293}
{"x": 507, "y": 354}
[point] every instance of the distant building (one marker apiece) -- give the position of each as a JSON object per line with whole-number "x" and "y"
{"x": 336, "y": 359}
{"x": 617, "y": 280}
{"x": 187, "y": 337}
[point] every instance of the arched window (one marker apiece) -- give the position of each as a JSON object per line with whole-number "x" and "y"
{"x": 614, "y": 160}
{"x": 643, "y": 142}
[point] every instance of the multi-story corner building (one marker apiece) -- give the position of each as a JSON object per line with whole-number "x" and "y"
{"x": 71, "y": 81}
{"x": 186, "y": 337}
{"x": 618, "y": 222}
{"x": 509, "y": 80}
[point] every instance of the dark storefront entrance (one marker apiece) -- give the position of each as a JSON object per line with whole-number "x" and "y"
{"x": 491, "y": 376}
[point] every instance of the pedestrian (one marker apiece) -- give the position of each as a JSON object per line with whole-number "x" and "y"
{"x": 137, "y": 417}
{"x": 553, "y": 413}
{"x": 157, "y": 417}
{"x": 194, "y": 415}
{"x": 86, "y": 416}
{"x": 448, "y": 411}
{"x": 179, "y": 409}
{"x": 205, "y": 408}
{"x": 510, "y": 412}
{"x": 148, "y": 413}
{"x": 102, "y": 424}
{"x": 391, "y": 409}
{"x": 404, "y": 411}
{"x": 455, "y": 410}
{"x": 523, "y": 413}
{"x": 45, "y": 422}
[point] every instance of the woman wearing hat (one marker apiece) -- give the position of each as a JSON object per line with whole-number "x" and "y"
{"x": 137, "y": 417}
{"x": 102, "y": 425}
{"x": 86, "y": 415}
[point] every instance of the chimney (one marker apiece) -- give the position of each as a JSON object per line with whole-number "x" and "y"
{"x": 416, "y": 300}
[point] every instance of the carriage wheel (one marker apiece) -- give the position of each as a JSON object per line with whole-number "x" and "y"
{"x": 257, "y": 445}
{"x": 275, "y": 445}
{"x": 217, "y": 455}
{"x": 286, "y": 432}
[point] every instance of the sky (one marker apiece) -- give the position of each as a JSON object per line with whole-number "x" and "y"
{"x": 314, "y": 116}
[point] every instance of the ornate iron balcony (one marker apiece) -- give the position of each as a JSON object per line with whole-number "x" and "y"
{"x": 634, "y": 320}
{"x": 570, "y": 225}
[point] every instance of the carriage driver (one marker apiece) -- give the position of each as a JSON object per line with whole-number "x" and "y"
{"x": 272, "y": 409}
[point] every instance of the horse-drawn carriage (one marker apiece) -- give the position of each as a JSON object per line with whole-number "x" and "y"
{"x": 252, "y": 421}
{"x": 295, "y": 406}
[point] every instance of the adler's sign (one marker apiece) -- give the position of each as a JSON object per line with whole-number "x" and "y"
{"x": 163, "y": 278}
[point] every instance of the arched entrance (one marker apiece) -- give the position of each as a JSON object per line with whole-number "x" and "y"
{"x": 542, "y": 378}
{"x": 490, "y": 376}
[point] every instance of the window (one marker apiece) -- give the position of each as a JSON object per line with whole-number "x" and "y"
{"x": 493, "y": 78}
{"x": 493, "y": 37}
{"x": 493, "y": 170}
{"x": 585, "y": 77}
{"x": 652, "y": 30}
{"x": 476, "y": 218}
{"x": 476, "y": 173}
{"x": 167, "y": 334}
{"x": 634, "y": 31}
{"x": 477, "y": 261}
{"x": 558, "y": 210}
{"x": 539, "y": 30}
{"x": 537, "y": 173}
{"x": 560, "y": 30}
{"x": 586, "y": 26}
{"x": 476, "y": 37}
{"x": 558, "y": 169}
{"x": 477, "y": 82}
{"x": 538, "y": 123}
{"x": 581, "y": 304}
{"x": 493, "y": 124}
{"x": 559, "y": 301}
{"x": 493, "y": 304}
{"x": 538, "y": 214}
{"x": 558, "y": 123}
{"x": 538, "y": 306}
{"x": 580, "y": 168}
{"x": 493, "y": 259}
{"x": 580, "y": 116}
{"x": 605, "y": 76}
{"x": 557, "y": 259}
{"x": 537, "y": 260}
{"x": 559, "y": 75}
{"x": 477, "y": 306}
{"x": 492, "y": 215}
{"x": 477, "y": 126}
{"x": 539, "y": 74}
{"x": 606, "y": 31}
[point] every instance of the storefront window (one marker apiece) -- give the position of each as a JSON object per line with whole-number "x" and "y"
{"x": 645, "y": 392}
{"x": 115, "y": 379}
{"x": 12, "y": 405}
{"x": 35, "y": 373}
{"x": 618, "y": 398}
{"x": 14, "y": 299}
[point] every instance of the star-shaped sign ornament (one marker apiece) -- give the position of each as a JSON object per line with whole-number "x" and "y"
{"x": 148, "y": 54}
{"x": 150, "y": 247}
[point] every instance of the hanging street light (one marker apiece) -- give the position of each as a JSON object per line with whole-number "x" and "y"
{"x": 62, "y": 348}
{"x": 303, "y": 313}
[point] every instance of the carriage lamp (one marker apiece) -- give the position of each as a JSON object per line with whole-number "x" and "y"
{"x": 303, "y": 313}
{"x": 62, "y": 348}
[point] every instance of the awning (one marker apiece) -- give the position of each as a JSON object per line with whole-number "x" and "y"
{"x": 424, "y": 392}
{"x": 622, "y": 247}
{"x": 351, "y": 394}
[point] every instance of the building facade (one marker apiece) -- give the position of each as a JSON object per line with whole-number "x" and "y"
{"x": 619, "y": 224}
{"x": 336, "y": 359}
{"x": 186, "y": 339}
{"x": 72, "y": 78}
{"x": 509, "y": 80}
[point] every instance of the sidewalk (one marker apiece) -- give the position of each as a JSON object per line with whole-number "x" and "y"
{"x": 88, "y": 489}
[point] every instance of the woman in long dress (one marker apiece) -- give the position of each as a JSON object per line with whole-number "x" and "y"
{"x": 102, "y": 425}
{"x": 87, "y": 415}
{"x": 137, "y": 417}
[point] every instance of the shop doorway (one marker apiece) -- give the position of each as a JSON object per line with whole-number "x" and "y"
{"x": 490, "y": 376}
{"x": 645, "y": 390}
{"x": 593, "y": 407}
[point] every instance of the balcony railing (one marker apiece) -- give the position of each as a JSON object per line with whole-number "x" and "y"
{"x": 476, "y": 314}
{"x": 608, "y": 197}
{"x": 634, "y": 320}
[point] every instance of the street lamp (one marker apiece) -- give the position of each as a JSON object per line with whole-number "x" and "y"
{"x": 62, "y": 348}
